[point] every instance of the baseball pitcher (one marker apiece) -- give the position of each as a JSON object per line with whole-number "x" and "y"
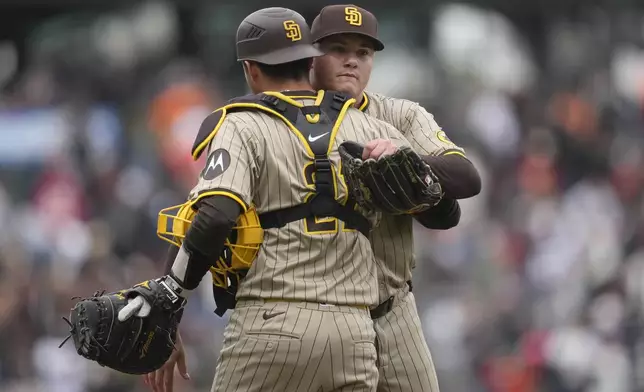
{"x": 348, "y": 36}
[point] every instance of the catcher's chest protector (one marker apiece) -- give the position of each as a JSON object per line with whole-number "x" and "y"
{"x": 317, "y": 126}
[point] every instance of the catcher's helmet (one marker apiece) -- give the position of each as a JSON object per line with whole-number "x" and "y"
{"x": 275, "y": 35}
{"x": 241, "y": 246}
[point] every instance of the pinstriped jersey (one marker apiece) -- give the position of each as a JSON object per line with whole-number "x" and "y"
{"x": 392, "y": 240}
{"x": 257, "y": 159}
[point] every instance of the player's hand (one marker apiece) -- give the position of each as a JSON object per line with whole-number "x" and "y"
{"x": 378, "y": 148}
{"x": 163, "y": 379}
{"x": 394, "y": 183}
{"x": 142, "y": 297}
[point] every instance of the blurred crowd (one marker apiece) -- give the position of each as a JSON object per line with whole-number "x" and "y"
{"x": 540, "y": 287}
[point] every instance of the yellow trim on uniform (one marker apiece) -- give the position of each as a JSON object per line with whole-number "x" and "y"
{"x": 311, "y": 184}
{"x": 365, "y": 102}
{"x": 314, "y": 118}
{"x": 203, "y": 144}
{"x": 454, "y": 152}
{"x": 221, "y": 193}
{"x": 334, "y": 172}
{"x": 350, "y": 102}
{"x": 197, "y": 152}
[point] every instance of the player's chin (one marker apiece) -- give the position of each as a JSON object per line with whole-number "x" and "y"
{"x": 349, "y": 86}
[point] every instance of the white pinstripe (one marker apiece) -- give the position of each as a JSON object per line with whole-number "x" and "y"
{"x": 404, "y": 361}
{"x": 308, "y": 347}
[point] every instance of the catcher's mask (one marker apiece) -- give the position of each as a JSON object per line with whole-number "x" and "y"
{"x": 241, "y": 246}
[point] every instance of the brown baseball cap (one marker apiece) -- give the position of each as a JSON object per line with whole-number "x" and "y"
{"x": 275, "y": 36}
{"x": 345, "y": 19}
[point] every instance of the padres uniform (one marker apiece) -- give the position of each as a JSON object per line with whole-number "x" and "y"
{"x": 404, "y": 358}
{"x": 301, "y": 322}
{"x": 405, "y": 363}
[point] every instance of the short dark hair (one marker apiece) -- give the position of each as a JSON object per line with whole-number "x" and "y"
{"x": 295, "y": 70}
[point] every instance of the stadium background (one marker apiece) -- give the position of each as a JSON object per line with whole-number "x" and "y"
{"x": 538, "y": 289}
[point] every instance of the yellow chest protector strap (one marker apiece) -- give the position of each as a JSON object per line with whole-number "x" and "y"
{"x": 316, "y": 126}
{"x": 319, "y": 136}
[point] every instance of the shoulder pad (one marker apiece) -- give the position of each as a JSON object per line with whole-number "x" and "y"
{"x": 211, "y": 124}
{"x": 208, "y": 126}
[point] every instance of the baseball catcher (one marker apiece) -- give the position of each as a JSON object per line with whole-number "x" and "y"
{"x": 400, "y": 183}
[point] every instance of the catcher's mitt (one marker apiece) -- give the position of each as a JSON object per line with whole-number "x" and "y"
{"x": 400, "y": 183}
{"x": 139, "y": 345}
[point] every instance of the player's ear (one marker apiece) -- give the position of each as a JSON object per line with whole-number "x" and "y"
{"x": 246, "y": 65}
{"x": 251, "y": 70}
{"x": 313, "y": 77}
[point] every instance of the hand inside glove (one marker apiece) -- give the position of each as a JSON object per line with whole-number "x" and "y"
{"x": 104, "y": 330}
{"x": 140, "y": 304}
{"x": 396, "y": 183}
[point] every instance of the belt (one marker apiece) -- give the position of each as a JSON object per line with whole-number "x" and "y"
{"x": 386, "y": 306}
{"x": 297, "y": 301}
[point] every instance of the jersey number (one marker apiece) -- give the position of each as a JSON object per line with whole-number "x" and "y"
{"x": 323, "y": 225}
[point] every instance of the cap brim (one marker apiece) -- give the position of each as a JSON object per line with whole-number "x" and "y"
{"x": 377, "y": 44}
{"x": 286, "y": 55}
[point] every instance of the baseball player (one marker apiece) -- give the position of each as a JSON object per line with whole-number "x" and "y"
{"x": 349, "y": 36}
{"x": 302, "y": 320}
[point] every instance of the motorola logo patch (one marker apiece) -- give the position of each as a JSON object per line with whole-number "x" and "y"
{"x": 217, "y": 163}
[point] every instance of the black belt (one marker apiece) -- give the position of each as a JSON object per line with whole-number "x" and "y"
{"x": 386, "y": 306}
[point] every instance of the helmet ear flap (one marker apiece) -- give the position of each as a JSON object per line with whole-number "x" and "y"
{"x": 173, "y": 222}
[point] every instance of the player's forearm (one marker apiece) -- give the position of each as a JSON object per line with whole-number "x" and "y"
{"x": 442, "y": 216}
{"x": 204, "y": 241}
{"x": 456, "y": 174}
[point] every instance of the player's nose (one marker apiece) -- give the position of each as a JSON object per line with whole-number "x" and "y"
{"x": 351, "y": 62}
